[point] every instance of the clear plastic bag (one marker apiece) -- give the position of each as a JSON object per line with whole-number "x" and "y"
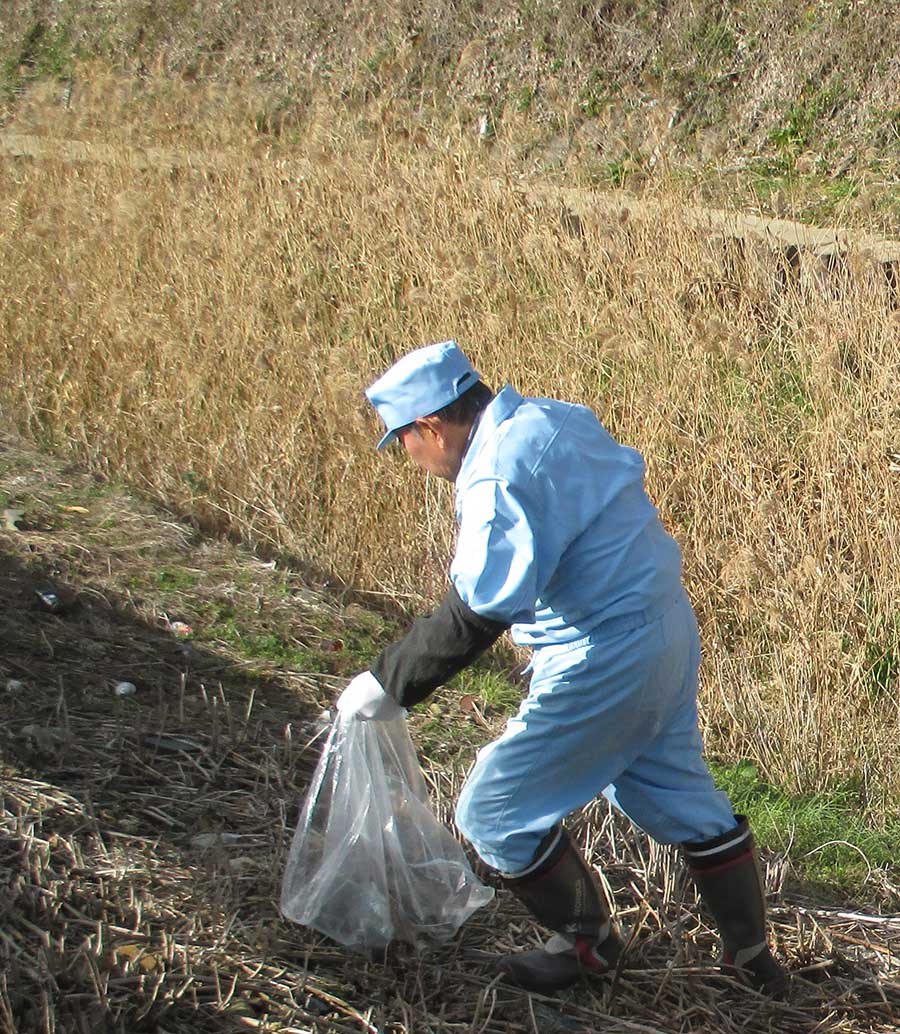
{"x": 370, "y": 863}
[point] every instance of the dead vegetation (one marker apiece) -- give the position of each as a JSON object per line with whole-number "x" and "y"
{"x": 790, "y": 104}
{"x": 206, "y": 334}
{"x": 143, "y": 836}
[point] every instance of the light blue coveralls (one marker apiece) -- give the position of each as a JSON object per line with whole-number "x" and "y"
{"x": 558, "y": 538}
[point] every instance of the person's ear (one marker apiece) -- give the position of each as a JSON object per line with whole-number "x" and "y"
{"x": 431, "y": 427}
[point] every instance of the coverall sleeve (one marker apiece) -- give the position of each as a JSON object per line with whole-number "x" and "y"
{"x": 434, "y": 650}
{"x": 509, "y": 545}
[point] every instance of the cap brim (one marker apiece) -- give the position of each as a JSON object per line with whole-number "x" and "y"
{"x": 388, "y": 438}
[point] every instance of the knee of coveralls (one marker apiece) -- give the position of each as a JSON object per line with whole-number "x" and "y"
{"x": 525, "y": 782}
{"x": 477, "y": 825}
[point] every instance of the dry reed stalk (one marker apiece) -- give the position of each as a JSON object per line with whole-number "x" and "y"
{"x": 142, "y": 839}
{"x": 207, "y": 336}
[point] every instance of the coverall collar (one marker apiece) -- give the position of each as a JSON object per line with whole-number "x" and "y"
{"x": 504, "y": 403}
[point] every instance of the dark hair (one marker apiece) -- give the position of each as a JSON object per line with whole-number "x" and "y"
{"x": 465, "y": 408}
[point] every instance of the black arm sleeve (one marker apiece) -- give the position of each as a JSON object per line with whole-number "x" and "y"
{"x": 434, "y": 650}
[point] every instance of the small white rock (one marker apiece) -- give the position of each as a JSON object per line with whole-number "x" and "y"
{"x": 205, "y": 840}
{"x": 125, "y": 689}
{"x": 14, "y": 685}
{"x": 242, "y": 863}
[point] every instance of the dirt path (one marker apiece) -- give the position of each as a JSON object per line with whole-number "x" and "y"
{"x": 825, "y": 244}
{"x": 143, "y": 835}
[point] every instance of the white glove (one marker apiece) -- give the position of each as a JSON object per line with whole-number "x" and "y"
{"x": 365, "y": 698}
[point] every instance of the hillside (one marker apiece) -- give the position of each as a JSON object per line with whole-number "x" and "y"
{"x": 143, "y": 835}
{"x": 788, "y": 107}
{"x": 219, "y": 221}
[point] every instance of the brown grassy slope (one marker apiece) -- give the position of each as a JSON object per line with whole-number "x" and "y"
{"x": 784, "y": 91}
{"x": 208, "y": 334}
{"x": 142, "y": 838}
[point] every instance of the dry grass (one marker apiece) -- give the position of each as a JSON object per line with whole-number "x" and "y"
{"x": 206, "y": 334}
{"x": 142, "y": 839}
{"x": 796, "y": 101}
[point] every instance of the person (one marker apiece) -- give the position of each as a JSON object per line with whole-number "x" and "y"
{"x": 559, "y": 543}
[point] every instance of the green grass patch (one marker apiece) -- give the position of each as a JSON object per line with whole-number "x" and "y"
{"x": 883, "y": 667}
{"x": 492, "y": 687}
{"x": 882, "y": 648}
{"x": 274, "y": 648}
{"x": 800, "y": 121}
{"x": 883, "y": 659}
{"x": 171, "y": 579}
{"x": 362, "y": 646}
{"x": 448, "y": 731}
{"x": 524, "y": 99}
{"x": 261, "y": 645}
{"x": 44, "y": 51}
{"x": 595, "y": 97}
{"x": 617, "y": 171}
{"x": 827, "y": 836}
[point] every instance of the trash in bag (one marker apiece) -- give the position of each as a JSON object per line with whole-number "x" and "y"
{"x": 370, "y": 863}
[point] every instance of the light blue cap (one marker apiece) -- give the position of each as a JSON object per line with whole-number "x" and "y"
{"x": 420, "y": 384}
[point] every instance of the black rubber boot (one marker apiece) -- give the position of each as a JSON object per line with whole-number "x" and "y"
{"x": 561, "y": 893}
{"x": 728, "y": 878}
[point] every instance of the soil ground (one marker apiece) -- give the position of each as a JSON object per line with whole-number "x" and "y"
{"x": 143, "y": 836}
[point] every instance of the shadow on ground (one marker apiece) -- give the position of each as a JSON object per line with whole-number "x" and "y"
{"x": 143, "y": 836}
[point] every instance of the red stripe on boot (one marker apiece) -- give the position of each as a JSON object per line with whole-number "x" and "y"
{"x": 723, "y": 866}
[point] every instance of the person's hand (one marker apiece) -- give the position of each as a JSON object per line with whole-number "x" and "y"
{"x": 365, "y": 698}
